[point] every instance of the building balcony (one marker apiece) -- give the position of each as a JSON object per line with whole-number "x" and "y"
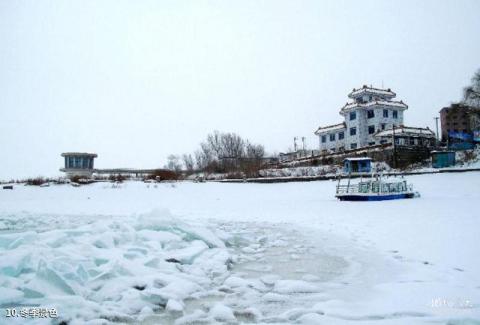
{"x": 382, "y": 103}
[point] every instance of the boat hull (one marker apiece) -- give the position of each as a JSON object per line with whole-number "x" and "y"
{"x": 380, "y": 197}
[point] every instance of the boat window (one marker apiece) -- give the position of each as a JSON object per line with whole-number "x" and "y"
{"x": 363, "y": 188}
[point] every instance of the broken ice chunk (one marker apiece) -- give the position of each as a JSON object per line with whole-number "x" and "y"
{"x": 47, "y": 280}
{"x": 222, "y": 313}
{"x": 188, "y": 254}
{"x": 10, "y": 296}
{"x": 174, "y": 306}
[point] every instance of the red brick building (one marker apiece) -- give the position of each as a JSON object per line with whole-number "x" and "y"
{"x": 459, "y": 118}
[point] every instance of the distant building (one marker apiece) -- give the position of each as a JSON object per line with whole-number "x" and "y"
{"x": 408, "y": 136}
{"x": 78, "y": 164}
{"x": 459, "y": 119}
{"x": 371, "y": 110}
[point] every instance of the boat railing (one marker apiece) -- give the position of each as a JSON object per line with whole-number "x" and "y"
{"x": 374, "y": 188}
{"x": 345, "y": 189}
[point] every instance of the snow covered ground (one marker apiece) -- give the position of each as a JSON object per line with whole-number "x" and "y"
{"x": 202, "y": 253}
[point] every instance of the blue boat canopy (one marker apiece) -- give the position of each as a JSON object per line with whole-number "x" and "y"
{"x": 357, "y": 165}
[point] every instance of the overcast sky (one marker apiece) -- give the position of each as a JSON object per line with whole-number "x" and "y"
{"x": 135, "y": 81}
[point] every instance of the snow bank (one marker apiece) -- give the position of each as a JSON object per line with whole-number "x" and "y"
{"x": 301, "y": 171}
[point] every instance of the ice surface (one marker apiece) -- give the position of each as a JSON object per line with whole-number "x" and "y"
{"x": 266, "y": 254}
{"x": 294, "y": 286}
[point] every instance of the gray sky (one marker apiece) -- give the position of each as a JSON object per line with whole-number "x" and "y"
{"x": 135, "y": 81}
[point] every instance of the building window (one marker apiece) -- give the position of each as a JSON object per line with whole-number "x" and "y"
{"x": 371, "y": 129}
{"x": 353, "y": 131}
{"x": 383, "y": 141}
{"x": 353, "y": 115}
{"x": 395, "y": 114}
{"x": 332, "y": 137}
{"x": 371, "y": 143}
{"x": 353, "y": 146}
{"x": 324, "y": 138}
{"x": 370, "y": 113}
{"x": 341, "y": 135}
{"x": 385, "y": 113}
{"x": 383, "y": 126}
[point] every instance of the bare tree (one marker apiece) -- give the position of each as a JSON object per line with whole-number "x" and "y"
{"x": 233, "y": 146}
{"x": 213, "y": 145}
{"x": 173, "y": 163}
{"x": 226, "y": 152}
{"x": 188, "y": 162}
{"x": 203, "y": 158}
{"x": 471, "y": 94}
{"x": 255, "y": 151}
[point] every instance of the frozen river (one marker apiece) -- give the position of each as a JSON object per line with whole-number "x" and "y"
{"x": 242, "y": 253}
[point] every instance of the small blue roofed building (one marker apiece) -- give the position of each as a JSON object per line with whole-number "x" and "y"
{"x": 78, "y": 164}
{"x": 442, "y": 159}
{"x": 357, "y": 165}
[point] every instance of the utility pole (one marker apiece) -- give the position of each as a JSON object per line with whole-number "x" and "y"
{"x": 303, "y": 143}
{"x": 436, "y": 125}
{"x": 394, "y": 151}
{"x": 295, "y": 144}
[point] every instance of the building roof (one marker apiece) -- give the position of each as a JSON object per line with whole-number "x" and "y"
{"x": 441, "y": 151}
{"x": 406, "y": 131}
{"x": 330, "y": 128}
{"x": 79, "y": 154}
{"x": 398, "y": 104}
{"x": 358, "y": 159}
{"x": 460, "y": 106}
{"x": 371, "y": 90}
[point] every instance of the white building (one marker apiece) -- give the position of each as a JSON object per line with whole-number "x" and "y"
{"x": 409, "y": 136}
{"x": 370, "y": 111}
{"x": 78, "y": 164}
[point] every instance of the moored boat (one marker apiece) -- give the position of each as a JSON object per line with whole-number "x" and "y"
{"x": 377, "y": 188}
